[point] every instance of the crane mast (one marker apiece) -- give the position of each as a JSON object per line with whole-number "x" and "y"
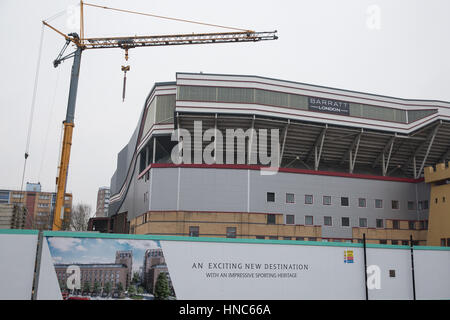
{"x": 124, "y": 43}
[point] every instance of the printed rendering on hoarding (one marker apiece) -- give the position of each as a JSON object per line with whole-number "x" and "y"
{"x": 102, "y": 269}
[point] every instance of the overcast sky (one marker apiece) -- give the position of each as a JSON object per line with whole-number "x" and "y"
{"x": 394, "y": 48}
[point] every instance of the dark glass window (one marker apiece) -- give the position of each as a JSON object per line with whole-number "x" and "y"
{"x": 231, "y": 232}
{"x": 344, "y": 201}
{"x": 345, "y": 221}
{"x": 380, "y": 223}
{"x": 270, "y": 197}
{"x": 270, "y": 219}
{"x": 290, "y": 198}
{"x": 290, "y": 219}
{"x": 362, "y": 202}
{"x": 194, "y": 231}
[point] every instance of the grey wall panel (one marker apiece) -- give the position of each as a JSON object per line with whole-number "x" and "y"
{"x": 122, "y": 167}
{"x": 336, "y": 187}
{"x": 213, "y": 190}
{"x": 113, "y": 185}
{"x": 163, "y": 191}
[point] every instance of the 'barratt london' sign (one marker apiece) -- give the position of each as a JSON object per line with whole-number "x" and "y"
{"x": 328, "y": 105}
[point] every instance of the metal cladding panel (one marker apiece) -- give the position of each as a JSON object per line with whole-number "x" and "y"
{"x": 122, "y": 166}
{"x": 213, "y": 190}
{"x": 113, "y": 187}
{"x": 336, "y": 187}
{"x": 163, "y": 190}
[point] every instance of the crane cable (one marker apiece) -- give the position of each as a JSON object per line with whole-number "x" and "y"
{"x": 33, "y": 102}
{"x": 167, "y": 18}
{"x": 52, "y": 108}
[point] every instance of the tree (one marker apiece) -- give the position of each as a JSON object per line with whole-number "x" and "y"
{"x": 140, "y": 290}
{"x": 80, "y": 217}
{"x": 132, "y": 290}
{"x": 96, "y": 287}
{"x": 162, "y": 290}
{"x": 107, "y": 288}
{"x": 86, "y": 287}
{"x": 120, "y": 287}
{"x": 136, "y": 278}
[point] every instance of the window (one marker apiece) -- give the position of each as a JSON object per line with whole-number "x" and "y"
{"x": 362, "y": 202}
{"x": 290, "y": 219}
{"x": 395, "y": 204}
{"x": 425, "y": 205}
{"x": 287, "y": 238}
{"x": 4, "y": 196}
{"x": 309, "y": 220}
{"x": 194, "y": 231}
{"x": 270, "y": 219}
{"x": 344, "y": 201}
{"x": 300, "y": 238}
{"x": 392, "y": 273}
{"x": 231, "y": 232}
{"x": 411, "y": 205}
{"x": 260, "y": 237}
{"x": 394, "y": 242}
{"x": 273, "y": 238}
{"x": 383, "y": 241}
{"x": 327, "y": 221}
{"x": 411, "y": 225}
{"x": 363, "y": 222}
{"x": 378, "y": 203}
{"x": 380, "y": 223}
{"x": 420, "y": 205}
{"x": 308, "y": 199}
{"x": 270, "y": 197}
{"x": 442, "y": 242}
{"x": 345, "y": 222}
{"x": 395, "y": 224}
{"x": 290, "y": 198}
{"x": 312, "y": 239}
{"x": 326, "y": 200}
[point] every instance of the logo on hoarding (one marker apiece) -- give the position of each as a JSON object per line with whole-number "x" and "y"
{"x": 329, "y": 106}
{"x": 348, "y": 256}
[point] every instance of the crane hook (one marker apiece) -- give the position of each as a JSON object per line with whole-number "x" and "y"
{"x": 124, "y": 69}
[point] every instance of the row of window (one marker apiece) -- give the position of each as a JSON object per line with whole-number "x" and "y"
{"x": 362, "y": 202}
{"x": 194, "y": 231}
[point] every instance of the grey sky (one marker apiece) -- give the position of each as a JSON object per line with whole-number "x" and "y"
{"x": 323, "y": 42}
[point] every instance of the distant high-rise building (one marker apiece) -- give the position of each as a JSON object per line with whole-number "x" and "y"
{"x": 102, "y": 202}
{"x": 39, "y": 205}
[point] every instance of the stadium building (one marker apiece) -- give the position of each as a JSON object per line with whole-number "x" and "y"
{"x": 350, "y": 163}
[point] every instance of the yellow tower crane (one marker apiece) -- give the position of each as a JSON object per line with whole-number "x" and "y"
{"x": 81, "y": 43}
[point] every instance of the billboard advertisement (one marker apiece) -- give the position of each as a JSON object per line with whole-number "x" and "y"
{"x": 94, "y": 266}
{"x": 104, "y": 269}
